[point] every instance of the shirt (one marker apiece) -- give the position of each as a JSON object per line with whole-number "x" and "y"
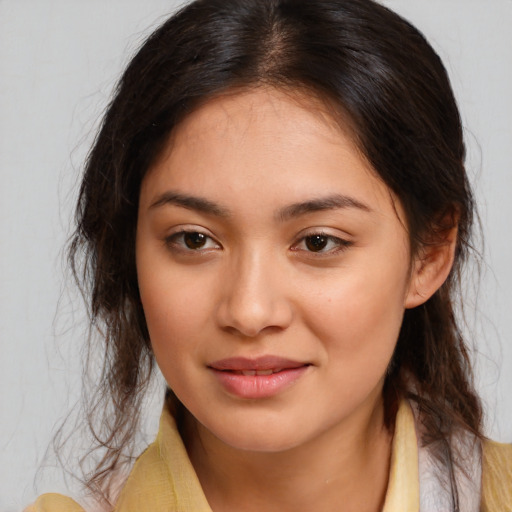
{"x": 163, "y": 479}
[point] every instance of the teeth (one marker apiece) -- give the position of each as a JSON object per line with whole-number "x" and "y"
{"x": 251, "y": 373}
{"x": 264, "y": 372}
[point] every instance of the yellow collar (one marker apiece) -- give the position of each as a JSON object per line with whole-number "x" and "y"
{"x": 163, "y": 477}
{"x": 403, "y": 487}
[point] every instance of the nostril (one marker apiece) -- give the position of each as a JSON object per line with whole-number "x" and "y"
{"x": 244, "y": 332}
{"x": 253, "y": 304}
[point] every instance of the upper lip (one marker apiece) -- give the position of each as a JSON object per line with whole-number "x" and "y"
{"x": 258, "y": 363}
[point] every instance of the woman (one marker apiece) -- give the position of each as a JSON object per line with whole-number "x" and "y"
{"x": 276, "y": 211}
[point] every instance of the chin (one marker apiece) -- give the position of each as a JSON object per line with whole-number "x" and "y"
{"x": 266, "y": 433}
{"x": 262, "y": 442}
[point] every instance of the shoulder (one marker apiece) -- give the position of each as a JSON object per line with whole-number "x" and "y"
{"x": 148, "y": 486}
{"x": 135, "y": 494}
{"x": 496, "y": 477}
{"x": 162, "y": 479}
{"x": 54, "y": 503}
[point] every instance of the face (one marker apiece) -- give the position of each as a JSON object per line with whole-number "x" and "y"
{"x": 273, "y": 267}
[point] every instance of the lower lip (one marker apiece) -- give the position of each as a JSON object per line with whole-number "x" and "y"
{"x": 259, "y": 386}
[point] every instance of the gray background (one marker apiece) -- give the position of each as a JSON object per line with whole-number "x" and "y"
{"x": 58, "y": 62}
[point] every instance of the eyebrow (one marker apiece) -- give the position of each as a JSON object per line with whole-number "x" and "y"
{"x": 190, "y": 203}
{"x": 331, "y": 202}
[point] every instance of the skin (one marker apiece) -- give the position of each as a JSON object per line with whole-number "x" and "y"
{"x": 258, "y": 285}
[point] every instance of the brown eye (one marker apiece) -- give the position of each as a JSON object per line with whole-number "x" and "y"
{"x": 191, "y": 242}
{"x": 321, "y": 244}
{"x": 194, "y": 240}
{"x": 316, "y": 243}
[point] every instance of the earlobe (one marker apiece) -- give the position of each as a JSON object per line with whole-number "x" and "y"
{"x": 430, "y": 269}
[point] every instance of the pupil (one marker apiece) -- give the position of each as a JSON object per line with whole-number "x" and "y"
{"x": 194, "y": 240}
{"x": 316, "y": 242}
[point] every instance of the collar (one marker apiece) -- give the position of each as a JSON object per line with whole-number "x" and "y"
{"x": 164, "y": 479}
{"x": 403, "y": 487}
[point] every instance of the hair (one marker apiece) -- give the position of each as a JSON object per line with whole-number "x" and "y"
{"x": 378, "y": 74}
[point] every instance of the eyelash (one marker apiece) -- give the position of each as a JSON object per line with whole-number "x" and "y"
{"x": 340, "y": 244}
{"x": 177, "y": 241}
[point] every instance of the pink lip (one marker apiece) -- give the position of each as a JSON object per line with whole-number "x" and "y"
{"x": 285, "y": 373}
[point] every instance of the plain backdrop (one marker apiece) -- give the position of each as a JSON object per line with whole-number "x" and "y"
{"x": 59, "y": 60}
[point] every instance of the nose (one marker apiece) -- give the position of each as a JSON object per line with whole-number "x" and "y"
{"x": 254, "y": 297}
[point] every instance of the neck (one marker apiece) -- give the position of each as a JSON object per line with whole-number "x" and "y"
{"x": 346, "y": 464}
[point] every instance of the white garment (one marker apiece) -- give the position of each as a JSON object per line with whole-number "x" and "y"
{"x": 435, "y": 488}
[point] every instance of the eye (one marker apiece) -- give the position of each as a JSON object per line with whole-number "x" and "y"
{"x": 321, "y": 243}
{"x": 191, "y": 241}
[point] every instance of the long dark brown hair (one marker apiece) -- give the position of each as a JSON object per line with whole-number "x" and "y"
{"x": 379, "y": 75}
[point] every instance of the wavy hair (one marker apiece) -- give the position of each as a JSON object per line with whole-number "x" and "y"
{"x": 376, "y": 72}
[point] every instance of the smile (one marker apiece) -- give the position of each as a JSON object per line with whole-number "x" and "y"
{"x": 255, "y": 372}
{"x": 259, "y": 378}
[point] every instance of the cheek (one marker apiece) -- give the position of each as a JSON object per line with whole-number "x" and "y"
{"x": 358, "y": 318}
{"x": 176, "y": 307}
{"x": 173, "y": 319}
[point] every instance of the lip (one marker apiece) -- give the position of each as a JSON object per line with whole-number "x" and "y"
{"x": 235, "y": 375}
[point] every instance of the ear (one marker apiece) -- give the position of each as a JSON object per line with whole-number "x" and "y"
{"x": 431, "y": 267}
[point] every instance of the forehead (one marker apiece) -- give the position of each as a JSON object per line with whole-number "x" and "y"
{"x": 263, "y": 143}
{"x": 247, "y": 115}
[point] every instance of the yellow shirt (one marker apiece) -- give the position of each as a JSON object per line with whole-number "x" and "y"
{"x": 163, "y": 479}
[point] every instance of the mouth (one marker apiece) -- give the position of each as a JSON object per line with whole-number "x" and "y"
{"x": 254, "y": 372}
{"x": 258, "y": 378}
{"x": 264, "y": 365}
